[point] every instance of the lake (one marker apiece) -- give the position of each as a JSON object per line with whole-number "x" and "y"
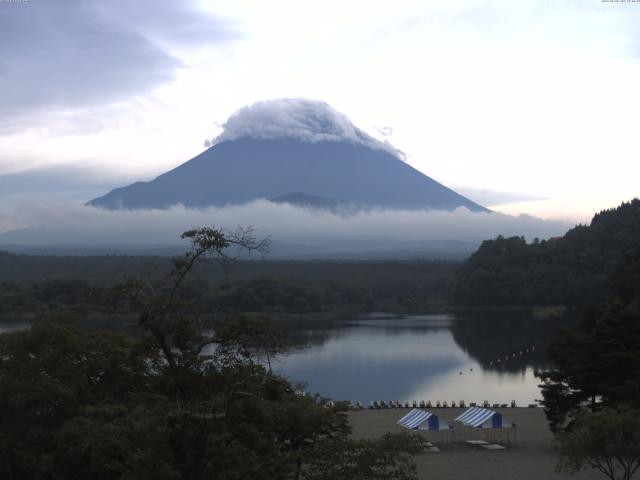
{"x": 471, "y": 357}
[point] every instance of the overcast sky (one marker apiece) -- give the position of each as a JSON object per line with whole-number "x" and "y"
{"x": 527, "y": 107}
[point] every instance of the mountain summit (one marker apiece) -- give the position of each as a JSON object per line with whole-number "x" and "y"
{"x": 270, "y": 149}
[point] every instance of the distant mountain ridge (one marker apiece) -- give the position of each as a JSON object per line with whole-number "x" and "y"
{"x": 246, "y": 169}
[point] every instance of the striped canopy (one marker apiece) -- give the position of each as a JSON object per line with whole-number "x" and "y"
{"x": 478, "y": 417}
{"x": 422, "y": 420}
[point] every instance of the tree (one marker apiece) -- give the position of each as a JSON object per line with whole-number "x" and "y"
{"x": 607, "y": 440}
{"x": 176, "y": 332}
{"x": 254, "y": 337}
{"x": 387, "y": 457}
{"x": 597, "y": 362}
{"x": 175, "y": 404}
{"x": 568, "y": 270}
{"x": 51, "y": 376}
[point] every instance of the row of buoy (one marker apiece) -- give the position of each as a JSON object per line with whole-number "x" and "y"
{"x": 511, "y": 356}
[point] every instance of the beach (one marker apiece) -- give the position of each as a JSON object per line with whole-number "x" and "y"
{"x": 531, "y": 458}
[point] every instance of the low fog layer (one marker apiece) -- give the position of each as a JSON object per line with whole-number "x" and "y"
{"x": 301, "y": 118}
{"x": 289, "y": 227}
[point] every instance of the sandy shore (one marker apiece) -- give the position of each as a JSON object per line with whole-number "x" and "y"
{"x": 532, "y": 457}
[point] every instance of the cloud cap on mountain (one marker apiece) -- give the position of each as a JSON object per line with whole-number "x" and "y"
{"x": 305, "y": 119}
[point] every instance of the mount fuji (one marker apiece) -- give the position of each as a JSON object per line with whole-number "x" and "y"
{"x": 291, "y": 149}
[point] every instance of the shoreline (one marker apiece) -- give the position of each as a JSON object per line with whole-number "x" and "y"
{"x": 532, "y": 457}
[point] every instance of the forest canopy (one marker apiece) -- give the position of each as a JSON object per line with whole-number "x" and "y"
{"x": 569, "y": 270}
{"x": 176, "y": 402}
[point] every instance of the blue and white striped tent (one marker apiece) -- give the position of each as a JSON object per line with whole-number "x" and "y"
{"x": 423, "y": 420}
{"x": 477, "y": 417}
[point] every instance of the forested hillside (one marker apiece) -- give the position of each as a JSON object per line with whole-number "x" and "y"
{"x": 570, "y": 270}
{"x": 33, "y": 287}
{"x": 596, "y": 362}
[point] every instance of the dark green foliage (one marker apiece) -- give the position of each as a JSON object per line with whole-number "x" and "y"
{"x": 388, "y": 457}
{"x": 95, "y": 268}
{"x": 251, "y": 336}
{"x": 625, "y": 281}
{"x": 249, "y": 286}
{"x": 572, "y": 270}
{"x": 607, "y": 440}
{"x": 597, "y": 362}
{"x": 173, "y": 404}
{"x": 50, "y": 376}
{"x": 79, "y": 405}
{"x": 592, "y": 395}
{"x": 287, "y": 295}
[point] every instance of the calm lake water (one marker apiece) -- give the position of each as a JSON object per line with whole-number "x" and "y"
{"x": 472, "y": 357}
{"x": 428, "y": 357}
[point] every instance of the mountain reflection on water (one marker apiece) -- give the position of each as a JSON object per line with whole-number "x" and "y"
{"x": 471, "y": 357}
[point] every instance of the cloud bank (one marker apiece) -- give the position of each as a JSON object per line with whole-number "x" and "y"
{"x": 305, "y": 119}
{"x": 376, "y": 230}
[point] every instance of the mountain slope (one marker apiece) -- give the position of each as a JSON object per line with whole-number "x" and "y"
{"x": 574, "y": 269}
{"x": 245, "y": 169}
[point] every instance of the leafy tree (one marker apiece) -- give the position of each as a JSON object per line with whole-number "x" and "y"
{"x": 607, "y": 440}
{"x": 388, "y": 457}
{"x": 165, "y": 315}
{"x": 50, "y": 375}
{"x": 173, "y": 404}
{"x": 597, "y": 362}
{"x": 252, "y": 337}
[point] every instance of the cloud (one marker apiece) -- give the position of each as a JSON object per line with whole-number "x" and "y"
{"x": 74, "y": 225}
{"x": 385, "y": 131}
{"x": 170, "y": 23}
{"x": 67, "y": 182}
{"x": 78, "y": 53}
{"x": 305, "y": 119}
{"x": 490, "y": 198}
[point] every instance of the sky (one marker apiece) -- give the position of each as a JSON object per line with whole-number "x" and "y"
{"x": 525, "y": 107}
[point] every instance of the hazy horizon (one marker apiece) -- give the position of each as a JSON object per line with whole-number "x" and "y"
{"x": 524, "y": 108}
